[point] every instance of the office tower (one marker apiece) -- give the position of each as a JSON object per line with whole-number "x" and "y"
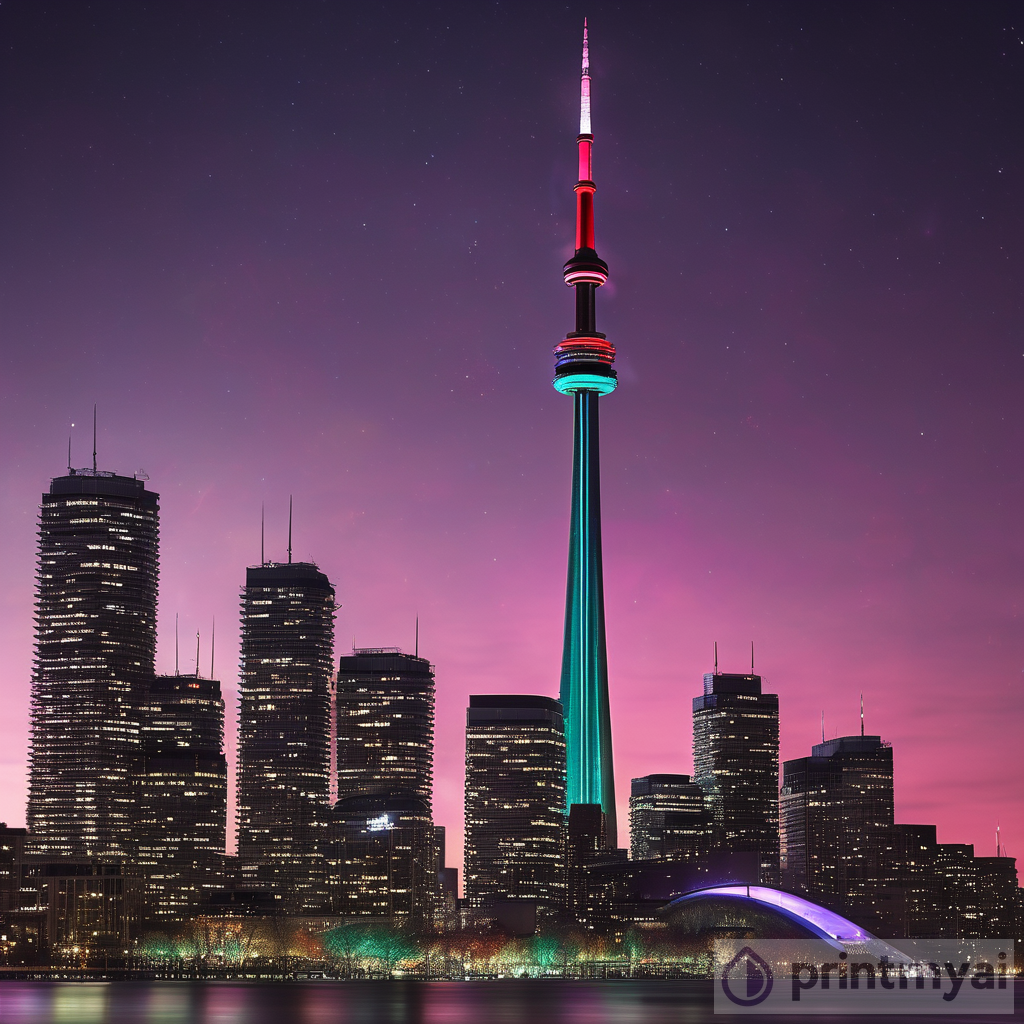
{"x": 583, "y": 369}
{"x": 736, "y": 763}
{"x": 836, "y": 813}
{"x": 385, "y": 723}
{"x": 284, "y": 730}
{"x": 958, "y": 891}
{"x": 182, "y": 794}
{"x": 667, "y": 818}
{"x": 515, "y": 800}
{"x": 95, "y": 643}
{"x": 383, "y": 858}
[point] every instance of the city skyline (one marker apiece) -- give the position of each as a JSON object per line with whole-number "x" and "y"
{"x": 866, "y": 561}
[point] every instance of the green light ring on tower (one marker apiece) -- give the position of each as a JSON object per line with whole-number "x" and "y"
{"x": 572, "y": 382}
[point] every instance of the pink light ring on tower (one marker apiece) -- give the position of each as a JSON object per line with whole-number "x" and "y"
{"x": 585, "y": 275}
{"x": 577, "y": 348}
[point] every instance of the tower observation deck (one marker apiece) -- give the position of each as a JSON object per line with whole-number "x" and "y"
{"x": 583, "y": 369}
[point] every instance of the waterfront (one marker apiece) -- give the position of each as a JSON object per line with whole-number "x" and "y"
{"x": 394, "y": 1002}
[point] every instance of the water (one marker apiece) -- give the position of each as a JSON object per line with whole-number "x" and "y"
{"x": 370, "y": 1002}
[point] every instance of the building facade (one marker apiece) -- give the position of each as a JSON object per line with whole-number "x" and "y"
{"x": 96, "y": 598}
{"x": 385, "y": 724}
{"x": 284, "y": 731}
{"x": 736, "y": 763}
{"x": 383, "y": 857}
{"x": 836, "y": 817}
{"x": 667, "y": 819}
{"x": 182, "y": 795}
{"x": 515, "y": 800}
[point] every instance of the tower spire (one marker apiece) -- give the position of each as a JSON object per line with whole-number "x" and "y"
{"x": 289, "y": 529}
{"x": 585, "y": 85}
{"x": 94, "y": 440}
{"x": 583, "y": 369}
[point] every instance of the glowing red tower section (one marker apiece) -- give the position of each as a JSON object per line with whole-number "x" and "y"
{"x": 583, "y": 369}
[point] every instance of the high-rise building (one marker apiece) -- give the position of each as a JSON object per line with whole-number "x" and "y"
{"x": 667, "y": 818}
{"x": 515, "y": 800}
{"x": 385, "y": 723}
{"x": 95, "y": 644}
{"x": 284, "y": 730}
{"x": 383, "y": 859}
{"x": 583, "y": 369}
{"x": 182, "y": 794}
{"x": 736, "y": 763}
{"x": 836, "y": 813}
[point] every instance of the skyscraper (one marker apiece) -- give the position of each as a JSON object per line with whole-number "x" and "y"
{"x": 515, "y": 800}
{"x": 284, "y": 730}
{"x": 385, "y": 723}
{"x": 583, "y": 369}
{"x": 835, "y": 812}
{"x": 182, "y": 794}
{"x": 736, "y": 763}
{"x": 95, "y": 643}
{"x": 667, "y": 818}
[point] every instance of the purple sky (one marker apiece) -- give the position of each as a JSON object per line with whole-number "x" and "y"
{"x": 315, "y": 249}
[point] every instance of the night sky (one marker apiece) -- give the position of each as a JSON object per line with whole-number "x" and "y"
{"x": 315, "y": 249}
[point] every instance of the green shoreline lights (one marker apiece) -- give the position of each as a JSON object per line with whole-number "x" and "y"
{"x": 583, "y": 369}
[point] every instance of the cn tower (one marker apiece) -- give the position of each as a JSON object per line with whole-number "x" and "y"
{"x": 583, "y": 369}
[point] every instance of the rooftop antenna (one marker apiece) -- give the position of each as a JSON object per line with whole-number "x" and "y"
{"x": 999, "y": 851}
{"x": 175, "y": 643}
{"x": 69, "y": 454}
{"x": 417, "y": 647}
{"x": 289, "y": 529}
{"x": 197, "y": 655}
{"x": 823, "y": 726}
{"x": 862, "y": 714}
{"x": 94, "y": 440}
{"x": 716, "y": 657}
{"x": 263, "y": 523}
{"x": 751, "y": 657}
{"x": 213, "y": 642}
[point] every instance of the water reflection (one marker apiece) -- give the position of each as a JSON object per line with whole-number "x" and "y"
{"x": 394, "y": 1002}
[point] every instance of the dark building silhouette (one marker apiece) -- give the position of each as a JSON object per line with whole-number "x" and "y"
{"x": 836, "y": 816}
{"x": 96, "y": 599}
{"x": 383, "y": 857}
{"x": 284, "y": 731}
{"x": 385, "y": 723}
{"x": 667, "y": 819}
{"x": 515, "y": 800}
{"x": 182, "y": 795}
{"x": 736, "y": 763}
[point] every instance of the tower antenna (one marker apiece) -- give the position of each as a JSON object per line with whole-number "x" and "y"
{"x": 417, "y": 648}
{"x": 197, "y": 654}
{"x": 94, "y": 440}
{"x": 751, "y": 657}
{"x": 263, "y": 532}
{"x": 716, "y": 657}
{"x": 862, "y": 714}
{"x": 213, "y": 643}
{"x": 999, "y": 851}
{"x": 823, "y": 725}
{"x": 289, "y": 529}
{"x": 175, "y": 643}
{"x": 69, "y": 454}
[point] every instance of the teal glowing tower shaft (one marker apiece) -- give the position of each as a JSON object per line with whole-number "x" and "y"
{"x": 584, "y": 688}
{"x": 583, "y": 369}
